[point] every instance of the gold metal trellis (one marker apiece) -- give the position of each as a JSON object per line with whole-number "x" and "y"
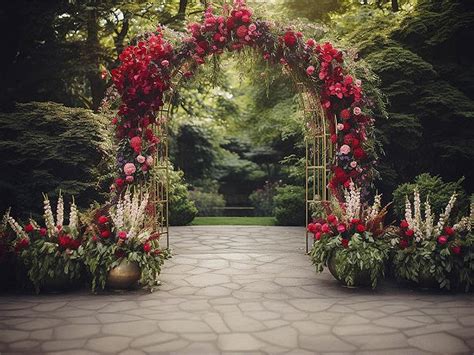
{"x": 319, "y": 152}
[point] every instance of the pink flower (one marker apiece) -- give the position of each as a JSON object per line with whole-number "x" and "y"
{"x": 340, "y": 126}
{"x": 165, "y": 63}
{"x": 149, "y": 160}
{"x": 136, "y": 144}
{"x": 252, "y": 27}
{"x": 345, "y": 149}
{"x": 442, "y": 239}
{"x": 129, "y": 169}
{"x": 311, "y": 42}
{"x": 242, "y": 31}
{"x": 325, "y": 228}
{"x": 141, "y": 159}
{"x": 122, "y": 235}
{"x": 357, "y": 111}
{"x": 353, "y": 164}
{"x": 129, "y": 179}
{"x": 341, "y": 228}
{"x": 358, "y": 83}
{"x": 310, "y": 70}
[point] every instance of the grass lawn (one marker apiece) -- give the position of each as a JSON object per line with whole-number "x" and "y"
{"x": 227, "y": 221}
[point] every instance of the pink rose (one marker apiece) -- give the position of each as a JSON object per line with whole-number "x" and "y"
{"x": 129, "y": 169}
{"x": 141, "y": 159}
{"x": 252, "y": 27}
{"x": 341, "y": 228}
{"x": 345, "y": 149}
{"x": 442, "y": 239}
{"x": 357, "y": 111}
{"x": 353, "y": 164}
{"x": 340, "y": 126}
{"x": 149, "y": 160}
{"x": 165, "y": 63}
{"x": 310, "y": 70}
{"x": 129, "y": 179}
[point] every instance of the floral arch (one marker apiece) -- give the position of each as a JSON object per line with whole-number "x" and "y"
{"x": 339, "y": 125}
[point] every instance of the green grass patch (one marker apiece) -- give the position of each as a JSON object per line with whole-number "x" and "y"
{"x": 229, "y": 221}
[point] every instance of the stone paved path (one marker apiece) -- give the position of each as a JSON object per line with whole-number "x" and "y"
{"x": 240, "y": 289}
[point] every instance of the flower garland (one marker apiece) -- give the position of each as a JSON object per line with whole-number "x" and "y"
{"x": 146, "y": 68}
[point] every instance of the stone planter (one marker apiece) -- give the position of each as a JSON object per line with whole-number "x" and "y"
{"x": 124, "y": 276}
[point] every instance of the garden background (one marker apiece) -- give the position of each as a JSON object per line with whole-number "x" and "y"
{"x": 236, "y": 137}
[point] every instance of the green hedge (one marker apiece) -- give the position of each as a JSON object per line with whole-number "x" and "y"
{"x": 289, "y": 204}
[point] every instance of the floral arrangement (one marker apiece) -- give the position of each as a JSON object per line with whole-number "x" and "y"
{"x": 49, "y": 252}
{"x": 146, "y": 69}
{"x": 122, "y": 232}
{"x": 6, "y": 239}
{"x": 349, "y": 240}
{"x": 434, "y": 250}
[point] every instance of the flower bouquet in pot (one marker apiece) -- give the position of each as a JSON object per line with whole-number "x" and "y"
{"x": 49, "y": 253}
{"x": 7, "y": 254}
{"x": 349, "y": 240}
{"x": 121, "y": 249}
{"x": 434, "y": 254}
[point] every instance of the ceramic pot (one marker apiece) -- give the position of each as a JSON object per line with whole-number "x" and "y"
{"x": 124, "y": 276}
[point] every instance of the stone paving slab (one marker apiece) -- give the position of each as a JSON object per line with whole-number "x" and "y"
{"x": 240, "y": 290}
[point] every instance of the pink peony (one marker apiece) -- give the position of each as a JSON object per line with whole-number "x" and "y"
{"x": 242, "y": 31}
{"x": 357, "y": 111}
{"x": 310, "y": 70}
{"x": 345, "y": 149}
{"x": 141, "y": 159}
{"x": 136, "y": 144}
{"x": 129, "y": 169}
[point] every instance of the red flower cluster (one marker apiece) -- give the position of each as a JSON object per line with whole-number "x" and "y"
{"x": 67, "y": 242}
{"x": 104, "y": 228}
{"x": 332, "y": 227}
{"x": 406, "y": 235}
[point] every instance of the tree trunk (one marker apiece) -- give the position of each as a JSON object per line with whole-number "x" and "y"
{"x": 93, "y": 50}
{"x": 183, "y": 4}
{"x": 395, "y": 5}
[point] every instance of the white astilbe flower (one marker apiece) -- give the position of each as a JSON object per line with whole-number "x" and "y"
{"x": 352, "y": 203}
{"x": 60, "y": 211}
{"x": 443, "y": 218}
{"x": 463, "y": 225}
{"x": 17, "y": 228}
{"x": 417, "y": 221}
{"x": 73, "y": 216}
{"x": 374, "y": 210}
{"x": 429, "y": 219}
{"x": 117, "y": 215}
{"x": 48, "y": 217}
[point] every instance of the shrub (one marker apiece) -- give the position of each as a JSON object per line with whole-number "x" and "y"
{"x": 290, "y": 206}
{"x": 439, "y": 193}
{"x": 262, "y": 199}
{"x": 47, "y": 147}
{"x": 207, "y": 203}
{"x": 181, "y": 209}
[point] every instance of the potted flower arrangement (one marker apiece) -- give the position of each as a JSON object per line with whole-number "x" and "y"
{"x": 49, "y": 253}
{"x": 7, "y": 254}
{"x": 348, "y": 240}
{"x": 121, "y": 249}
{"x": 434, "y": 254}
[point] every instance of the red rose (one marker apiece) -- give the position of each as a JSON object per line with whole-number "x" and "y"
{"x": 345, "y": 114}
{"x": 341, "y": 228}
{"x": 290, "y": 39}
{"x": 449, "y": 231}
{"x": 456, "y": 249}
{"x": 442, "y": 239}
{"x": 119, "y": 182}
{"x": 404, "y": 224}
{"x": 360, "y": 228}
{"x": 105, "y": 234}
{"x": 230, "y": 23}
{"x": 325, "y": 228}
{"x": 242, "y": 31}
{"x": 403, "y": 243}
{"x": 147, "y": 247}
{"x": 29, "y": 228}
{"x": 345, "y": 243}
{"x": 317, "y": 235}
{"x": 136, "y": 144}
{"x": 22, "y": 244}
{"x": 359, "y": 153}
{"x": 74, "y": 243}
{"x": 63, "y": 241}
{"x": 355, "y": 221}
{"x": 409, "y": 233}
{"x": 103, "y": 219}
{"x": 314, "y": 227}
{"x": 122, "y": 235}
{"x": 43, "y": 232}
{"x": 332, "y": 219}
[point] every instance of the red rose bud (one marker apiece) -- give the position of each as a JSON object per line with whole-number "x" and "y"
{"x": 360, "y": 228}
{"x": 29, "y": 228}
{"x": 449, "y": 231}
{"x": 409, "y": 233}
{"x": 122, "y": 235}
{"x": 105, "y": 234}
{"x": 103, "y": 219}
{"x": 404, "y": 224}
{"x": 146, "y": 247}
{"x": 442, "y": 239}
{"x": 345, "y": 243}
{"x": 403, "y": 243}
{"x": 456, "y": 249}
{"x": 341, "y": 228}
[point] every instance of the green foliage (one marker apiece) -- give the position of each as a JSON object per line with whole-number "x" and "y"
{"x": 46, "y": 147}
{"x": 208, "y": 203}
{"x": 438, "y": 191}
{"x": 262, "y": 199}
{"x": 289, "y": 204}
{"x": 181, "y": 209}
